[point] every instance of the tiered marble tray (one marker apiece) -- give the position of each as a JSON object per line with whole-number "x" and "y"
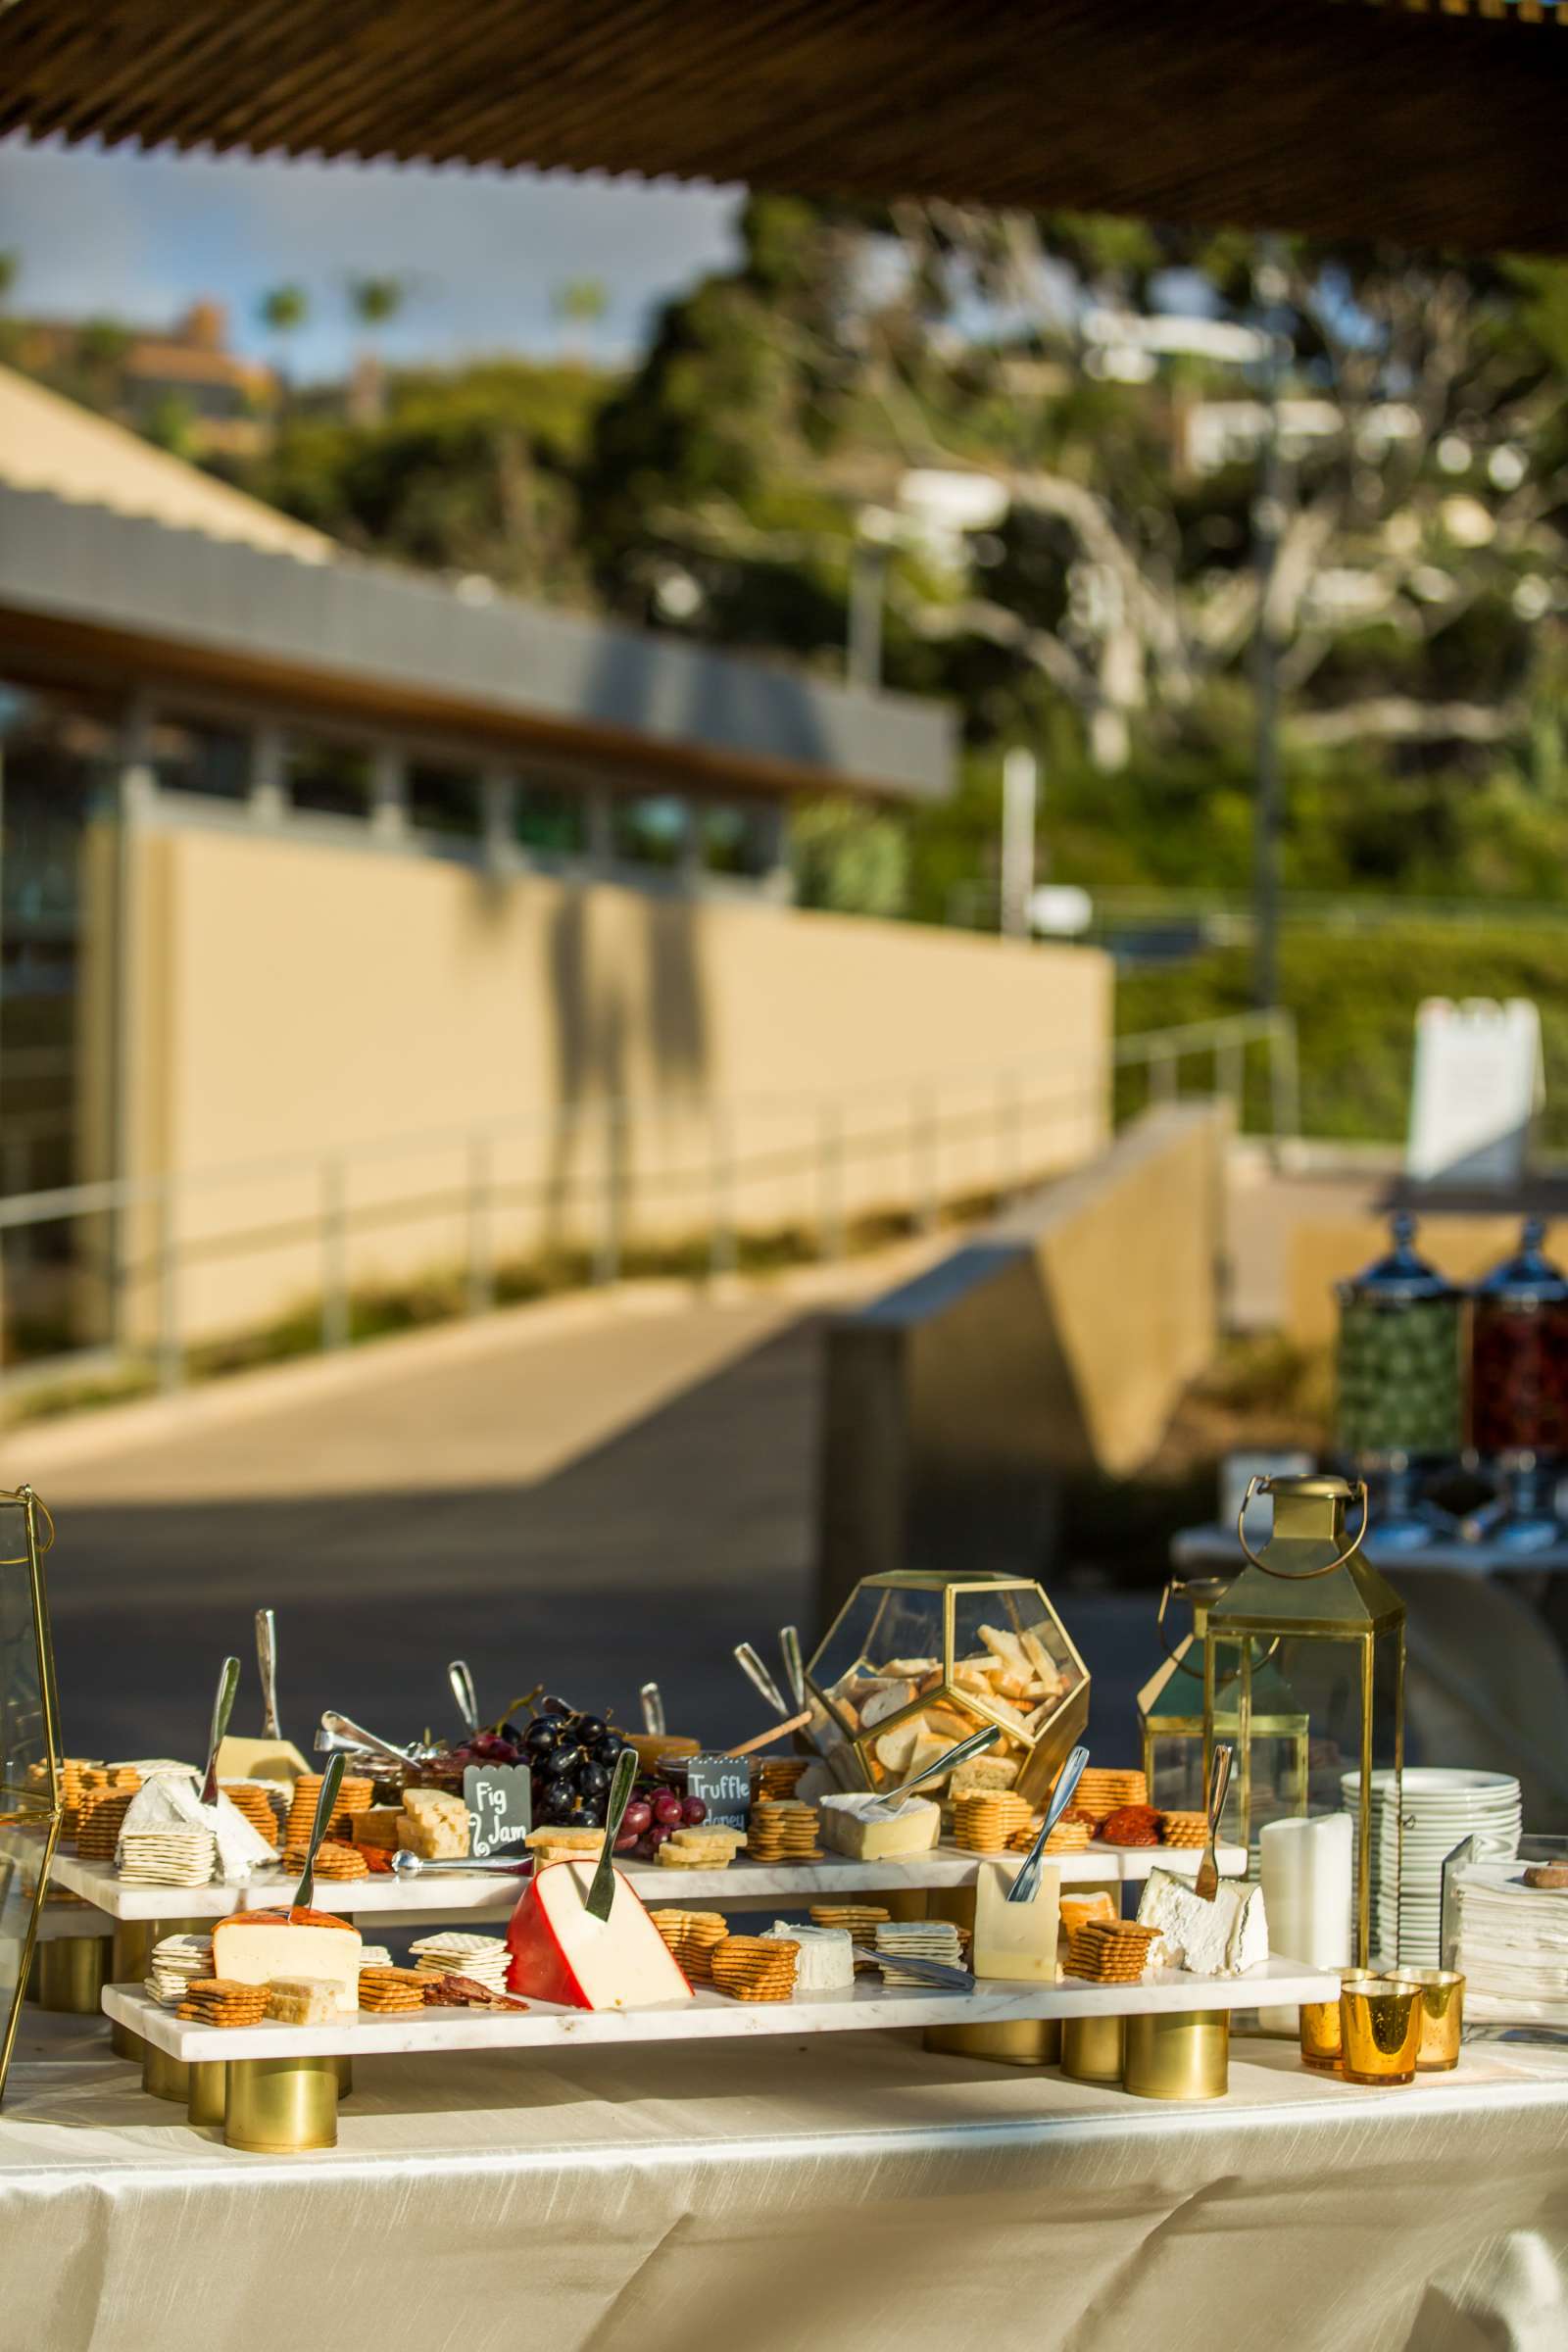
{"x": 393, "y": 1902}
{"x": 868, "y": 2006}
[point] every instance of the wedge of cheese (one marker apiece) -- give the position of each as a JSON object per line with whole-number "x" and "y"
{"x": 872, "y": 1831}
{"x": 1221, "y": 1938}
{"x": 258, "y": 1947}
{"x": 1016, "y": 1941}
{"x": 562, "y": 1953}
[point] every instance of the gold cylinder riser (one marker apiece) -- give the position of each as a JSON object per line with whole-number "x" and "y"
{"x": 207, "y": 2098}
{"x": 1092, "y": 2049}
{"x": 163, "y": 2076}
{"x": 1009, "y": 2041}
{"x": 73, "y": 1971}
{"x": 1178, "y": 2054}
{"x": 281, "y": 2106}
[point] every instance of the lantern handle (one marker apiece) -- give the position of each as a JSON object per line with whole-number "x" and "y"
{"x": 1222, "y": 1681}
{"x": 1259, "y": 1484}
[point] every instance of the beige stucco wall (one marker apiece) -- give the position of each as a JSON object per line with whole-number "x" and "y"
{"x": 284, "y": 999}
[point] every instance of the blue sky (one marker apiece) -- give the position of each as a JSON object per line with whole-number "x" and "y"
{"x": 139, "y": 237}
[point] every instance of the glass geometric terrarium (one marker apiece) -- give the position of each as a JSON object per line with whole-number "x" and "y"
{"x": 29, "y": 1747}
{"x": 916, "y": 1660}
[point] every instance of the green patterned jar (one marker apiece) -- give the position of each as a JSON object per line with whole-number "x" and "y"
{"x": 1400, "y": 1360}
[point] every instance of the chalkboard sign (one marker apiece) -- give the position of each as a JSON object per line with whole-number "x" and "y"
{"x": 725, "y": 1784}
{"x": 500, "y": 1802}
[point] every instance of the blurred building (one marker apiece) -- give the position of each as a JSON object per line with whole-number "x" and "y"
{"x": 303, "y": 853}
{"x": 185, "y": 382}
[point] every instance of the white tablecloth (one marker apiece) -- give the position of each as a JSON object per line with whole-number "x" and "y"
{"x": 774, "y": 2195}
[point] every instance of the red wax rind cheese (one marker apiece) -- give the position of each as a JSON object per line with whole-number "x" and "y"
{"x": 562, "y": 1953}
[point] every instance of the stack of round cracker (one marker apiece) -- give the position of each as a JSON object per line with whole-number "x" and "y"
{"x": 391, "y": 1992}
{"x": 1101, "y": 1790}
{"x": 755, "y": 1968}
{"x": 1069, "y": 1836}
{"x": 986, "y": 1821}
{"x": 167, "y": 1857}
{"x": 1110, "y": 1951}
{"x": 1184, "y": 1828}
{"x": 251, "y": 1798}
{"x": 351, "y": 1797}
{"x": 334, "y": 1859}
{"x": 781, "y": 1776}
{"x": 220, "y": 2002}
{"x": 692, "y": 1936}
{"x": 782, "y": 1831}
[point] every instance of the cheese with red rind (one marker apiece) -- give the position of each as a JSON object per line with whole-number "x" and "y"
{"x": 562, "y": 1954}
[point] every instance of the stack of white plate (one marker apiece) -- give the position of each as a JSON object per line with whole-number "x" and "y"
{"x": 1442, "y": 1806}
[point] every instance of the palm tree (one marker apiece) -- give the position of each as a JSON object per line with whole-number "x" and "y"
{"x": 375, "y": 302}
{"x": 579, "y": 305}
{"x": 284, "y": 311}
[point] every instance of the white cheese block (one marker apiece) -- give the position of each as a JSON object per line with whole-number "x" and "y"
{"x": 1016, "y": 1941}
{"x": 871, "y": 1830}
{"x": 825, "y": 1962}
{"x": 1221, "y": 1938}
{"x": 253, "y": 1949}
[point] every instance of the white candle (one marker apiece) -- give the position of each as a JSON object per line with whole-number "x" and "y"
{"x": 1305, "y": 1870}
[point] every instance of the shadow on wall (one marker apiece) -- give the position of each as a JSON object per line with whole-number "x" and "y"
{"x": 628, "y": 1013}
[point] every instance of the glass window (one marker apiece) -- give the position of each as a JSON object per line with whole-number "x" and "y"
{"x": 444, "y": 800}
{"x": 551, "y": 821}
{"x": 191, "y": 755}
{"x": 330, "y": 779}
{"x": 737, "y": 837}
{"x": 649, "y": 832}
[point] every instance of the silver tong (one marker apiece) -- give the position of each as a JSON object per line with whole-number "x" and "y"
{"x": 339, "y": 1736}
{"x": 653, "y": 1699}
{"x": 1028, "y": 1882}
{"x": 463, "y": 1690}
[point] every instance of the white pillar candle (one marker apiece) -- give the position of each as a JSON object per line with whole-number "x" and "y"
{"x": 1305, "y": 1867}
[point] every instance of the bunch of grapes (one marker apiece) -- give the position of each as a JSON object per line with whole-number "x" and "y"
{"x": 654, "y": 1812}
{"x": 571, "y": 1757}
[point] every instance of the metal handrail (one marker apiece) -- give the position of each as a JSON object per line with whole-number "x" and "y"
{"x": 1012, "y": 1090}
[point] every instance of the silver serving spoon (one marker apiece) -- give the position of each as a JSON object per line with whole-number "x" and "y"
{"x": 463, "y": 1690}
{"x": 267, "y": 1668}
{"x": 975, "y": 1745}
{"x": 325, "y": 1806}
{"x": 1025, "y": 1885}
{"x": 1207, "y": 1884}
{"x": 653, "y": 1711}
{"x": 223, "y": 1709}
{"x": 757, "y": 1674}
{"x": 415, "y": 1866}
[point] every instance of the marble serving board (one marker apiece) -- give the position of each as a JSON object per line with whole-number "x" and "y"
{"x": 398, "y": 1902}
{"x": 866, "y": 2007}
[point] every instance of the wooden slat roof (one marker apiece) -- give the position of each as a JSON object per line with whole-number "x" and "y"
{"x": 1425, "y": 124}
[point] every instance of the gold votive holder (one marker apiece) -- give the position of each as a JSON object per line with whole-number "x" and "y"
{"x": 1380, "y": 2030}
{"x": 1322, "y": 2044}
{"x": 1442, "y": 2018}
{"x": 1093, "y": 2049}
{"x": 1009, "y": 2041}
{"x": 1178, "y": 2054}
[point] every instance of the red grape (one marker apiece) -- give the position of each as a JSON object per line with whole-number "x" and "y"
{"x": 669, "y": 1809}
{"x": 655, "y": 1838}
{"x": 693, "y": 1811}
{"x": 637, "y": 1816}
{"x": 625, "y": 1842}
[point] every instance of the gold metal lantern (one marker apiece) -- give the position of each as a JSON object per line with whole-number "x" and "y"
{"x": 1311, "y": 1609}
{"x": 916, "y": 1660}
{"x": 1170, "y": 1717}
{"x": 29, "y": 1748}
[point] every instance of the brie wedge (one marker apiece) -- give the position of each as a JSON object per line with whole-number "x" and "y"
{"x": 1221, "y": 1938}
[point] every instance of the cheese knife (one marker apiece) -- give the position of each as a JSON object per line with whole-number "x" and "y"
{"x": 1207, "y": 1884}
{"x": 602, "y": 1892}
{"x": 1025, "y": 1885}
{"x": 653, "y": 1699}
{"x": 325, "y": 1807}
{"x": 930, "y": 1971}
{"x": 974, "y": 1745}
{"x": 789, "y": 1642}
{"x": 463, "y": 1690}
{"x": 757, "y": 1674}
{"x": 223, "y": 1709}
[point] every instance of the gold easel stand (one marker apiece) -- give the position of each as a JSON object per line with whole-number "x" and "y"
{"x": 281, "y": 2106}
{"x": 1181, "y": 2055}
{"x": 73, "y": 1971}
